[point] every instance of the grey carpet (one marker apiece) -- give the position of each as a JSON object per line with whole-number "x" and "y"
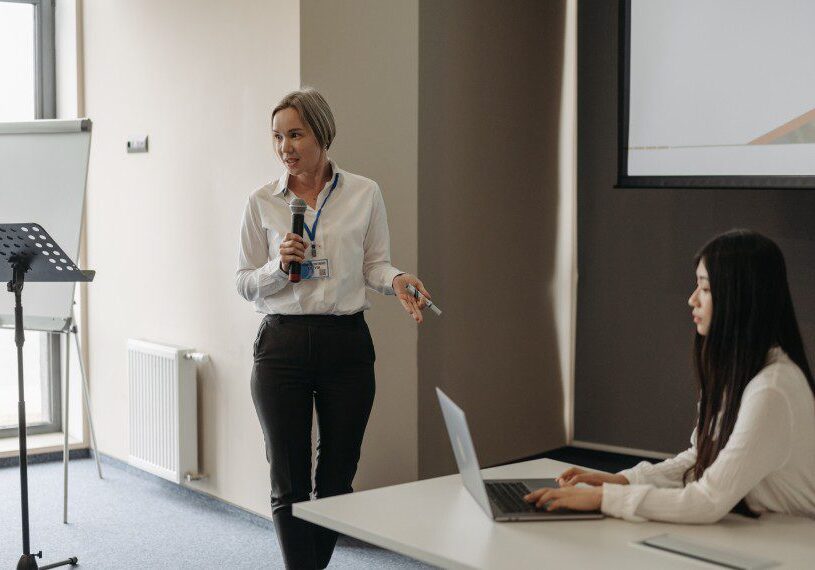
{"x": 132, "y": 521}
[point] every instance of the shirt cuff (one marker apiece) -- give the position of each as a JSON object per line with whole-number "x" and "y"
{"x": 633, "y": 475}
{"x": 391, "y": 275}
{"x": 621, "y": 501}
{"x": 271, "y": 273}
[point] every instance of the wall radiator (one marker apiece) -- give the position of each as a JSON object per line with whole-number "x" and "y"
{"x": 163, "y": 409}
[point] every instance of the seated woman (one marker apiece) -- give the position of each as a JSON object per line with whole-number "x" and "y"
{"x": 753, "y": 448}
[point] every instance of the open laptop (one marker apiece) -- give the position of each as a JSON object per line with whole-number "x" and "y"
{"x": 501, "y": 499}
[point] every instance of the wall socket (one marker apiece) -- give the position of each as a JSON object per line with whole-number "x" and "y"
{"x": 137, "y": 144}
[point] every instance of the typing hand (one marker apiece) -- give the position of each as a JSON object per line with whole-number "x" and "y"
{"x": 575, "y": 475}
{"x": 574, "y": 498}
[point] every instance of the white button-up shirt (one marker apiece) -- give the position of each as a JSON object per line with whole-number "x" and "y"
{"x": 352, "y": 234}
{"x": 769, "y": 460}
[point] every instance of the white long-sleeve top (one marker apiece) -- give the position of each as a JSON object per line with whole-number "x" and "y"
{"x": 769, "y": 460}
{"x": 352, "y": 234}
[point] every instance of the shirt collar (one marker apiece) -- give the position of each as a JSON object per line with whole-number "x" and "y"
{"x": 283, "y": 181}
{"x": 775, "y": 354}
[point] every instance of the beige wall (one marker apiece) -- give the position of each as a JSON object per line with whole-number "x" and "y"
{"x": 363, "y": 55}
{"x": 199, "y": 78}
{"x": 489, "y": 118}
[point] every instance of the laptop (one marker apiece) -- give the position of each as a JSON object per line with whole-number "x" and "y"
{"x": 501, "y": 499}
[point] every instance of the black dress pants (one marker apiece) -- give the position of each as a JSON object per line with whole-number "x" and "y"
{"x": 305, "y": 362}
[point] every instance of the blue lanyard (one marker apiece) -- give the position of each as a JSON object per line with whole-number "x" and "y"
{"x": 313, "y": 230}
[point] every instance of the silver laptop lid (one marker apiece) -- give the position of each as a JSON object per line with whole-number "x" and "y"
{"x": 464, "y": 450}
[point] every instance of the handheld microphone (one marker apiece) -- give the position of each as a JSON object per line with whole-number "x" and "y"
{"x": 298, "y": 208}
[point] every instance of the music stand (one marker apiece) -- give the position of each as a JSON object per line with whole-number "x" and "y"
{"x": 27, "y": 252}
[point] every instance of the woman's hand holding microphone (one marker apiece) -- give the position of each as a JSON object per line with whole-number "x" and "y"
{"x": 292, "y": 250}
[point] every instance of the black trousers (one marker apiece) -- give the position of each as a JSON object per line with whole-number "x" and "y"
{"x": 305, "y": 362}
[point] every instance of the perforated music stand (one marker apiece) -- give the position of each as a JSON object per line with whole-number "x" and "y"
{"x": 27, "y": 253}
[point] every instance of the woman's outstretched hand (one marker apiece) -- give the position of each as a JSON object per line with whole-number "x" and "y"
{"x": 575, "y": 475}
{"x": 412, "y": 305}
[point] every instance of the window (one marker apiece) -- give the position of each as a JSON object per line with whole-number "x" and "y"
{"x": 17, "y": 62}
{"x": 41, "y": 357}
{"x": 27, "y": 83}
{"x": 27, "y": 62}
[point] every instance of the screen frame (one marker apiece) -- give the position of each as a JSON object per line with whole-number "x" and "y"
{"x": 624, "y": 180}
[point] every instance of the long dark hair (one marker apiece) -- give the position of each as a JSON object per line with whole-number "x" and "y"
{"x": 752, "y": 313}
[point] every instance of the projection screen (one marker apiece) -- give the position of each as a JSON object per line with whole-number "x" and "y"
{"x": 717, "y": 94}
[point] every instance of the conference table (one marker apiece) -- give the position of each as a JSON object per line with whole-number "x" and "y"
{"x": 438, "y": 522}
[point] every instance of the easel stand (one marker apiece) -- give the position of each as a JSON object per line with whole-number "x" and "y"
{"x": 72, "y": 331}
{"x": 27, "y": 248}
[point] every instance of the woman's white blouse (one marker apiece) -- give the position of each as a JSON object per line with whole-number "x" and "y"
{"x": 769, "y": 460}
{"x": 352, "y": 234}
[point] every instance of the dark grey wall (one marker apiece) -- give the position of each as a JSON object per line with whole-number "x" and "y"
{"x": 634, "y": 384}
{"x": 490, "y": 76}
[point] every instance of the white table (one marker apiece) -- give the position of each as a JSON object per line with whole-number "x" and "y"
{"x": 437, "y": 521}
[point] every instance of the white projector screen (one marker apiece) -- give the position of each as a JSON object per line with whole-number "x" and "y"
{"x": 717, "y": 93}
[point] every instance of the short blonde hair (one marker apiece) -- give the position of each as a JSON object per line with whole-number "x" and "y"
{"x": 314, "y": 110}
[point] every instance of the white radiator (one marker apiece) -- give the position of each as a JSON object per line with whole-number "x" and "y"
{"x": 163, "y": 410}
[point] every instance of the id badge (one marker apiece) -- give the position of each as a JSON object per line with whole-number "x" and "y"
{"x": 315, "y": 269}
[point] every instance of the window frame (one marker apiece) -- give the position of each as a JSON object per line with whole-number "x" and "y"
{"x": 51, "y": 354}
{"x": 45, "y": 107}
{"x": 45, "y": 72}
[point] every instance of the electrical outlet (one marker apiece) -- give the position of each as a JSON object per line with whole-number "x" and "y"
{"x": 137, "y": 144}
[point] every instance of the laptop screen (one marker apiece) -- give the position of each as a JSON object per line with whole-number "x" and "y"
{"x": 464, "y": 450}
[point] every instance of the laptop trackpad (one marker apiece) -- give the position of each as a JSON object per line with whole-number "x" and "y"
{"x": 533, "y": 484}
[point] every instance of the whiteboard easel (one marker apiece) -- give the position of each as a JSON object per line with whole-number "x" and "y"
{"x": 43, "y": 173}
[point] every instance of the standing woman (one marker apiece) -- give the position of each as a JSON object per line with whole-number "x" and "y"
{"x": 753, "y": 449}
{"x": 313, "y": 348}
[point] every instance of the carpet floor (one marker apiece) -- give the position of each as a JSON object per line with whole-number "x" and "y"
{"x": 131, "y": 521}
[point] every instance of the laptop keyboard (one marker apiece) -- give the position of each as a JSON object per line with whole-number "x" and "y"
{"x": 509, "y": 496}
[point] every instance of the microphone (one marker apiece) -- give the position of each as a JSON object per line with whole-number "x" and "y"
{"x": 298, "y": 208}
